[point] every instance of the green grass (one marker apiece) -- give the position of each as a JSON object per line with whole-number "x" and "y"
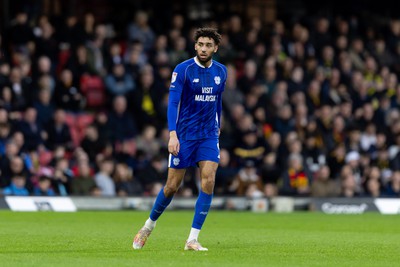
{"x": 233, "y": 239}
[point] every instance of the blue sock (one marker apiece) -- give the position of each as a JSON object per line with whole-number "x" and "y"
{"x": 159, "y": 206}
{"x": 202, "y": 207}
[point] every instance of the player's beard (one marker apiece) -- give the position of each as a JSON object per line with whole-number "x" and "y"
{"x": 207, "y": 59}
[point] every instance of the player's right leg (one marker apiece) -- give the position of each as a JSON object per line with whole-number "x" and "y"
{"x": 163, "y": 199}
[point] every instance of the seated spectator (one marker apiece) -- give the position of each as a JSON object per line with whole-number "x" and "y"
{"x": 62, "y": 177}
{"x": 348, "y": 183}
{"x": 103, "y": 178}
{"x": 251, "y": 147}
{"x": 372, "y": 188}
{"x": 336, "y": 160}
{"x": 15, "y": 166}
{"x": 125, "y": 182}
{"x": 270, "y": 173}
{"x": 120, "y": 121}
{"x": 19, "y": 90}
{"x": 58, "y": 132}
{"x": 148, "y": 141}
{"x": 101, "y": 124}
{"x": 113, "y": 56}
{"x": 119, "y": 82}
{"x": 353, "y": 163}
{"x": 32, "y": 131}
{"x": 154, "y": 173}
{"x": 5, "y": 130}
{"x": 43, "y": 68}
{"x": 392, "y": 188}
{"x": 313, "y": 153}
{"x": 17, "y": 186}
{"x": 284, "y": 122}
{"x": 79, "y": 64}
{"x": 139, "y": 29}
{"x": 83, "y": 183}
{"x": 147, "y": 99}
{"x": 226, "y": 173}
{"x": 323, "y": 185}
{"x": 91, "y": 142}
{"x": 44, "y": 107}
{"x": 68, "y": 96}
{"x": 246, "y": 179}
{"x": 296, "y": 179}
{"x": 44, "y": 187}
{"x": 6, "y": 99}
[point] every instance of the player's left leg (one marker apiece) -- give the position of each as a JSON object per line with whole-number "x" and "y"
{"x": 203, "y": 203}
{"x": 164, "y": 197}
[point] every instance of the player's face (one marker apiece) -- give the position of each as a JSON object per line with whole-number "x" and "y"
{"x": 205, "y": 48}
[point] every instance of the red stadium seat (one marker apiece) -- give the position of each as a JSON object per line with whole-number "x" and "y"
{"x": 83, "y": 120}
{"x": 93, "y": 89}
{"x": 45, "y": 157}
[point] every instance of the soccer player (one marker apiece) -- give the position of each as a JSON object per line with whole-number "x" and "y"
{"x": 194, "y": 113}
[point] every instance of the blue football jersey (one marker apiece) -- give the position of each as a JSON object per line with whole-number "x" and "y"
{"x": 195, "y": 99}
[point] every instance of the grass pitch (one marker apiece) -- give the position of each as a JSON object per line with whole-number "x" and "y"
{"x": 233, "y": 239}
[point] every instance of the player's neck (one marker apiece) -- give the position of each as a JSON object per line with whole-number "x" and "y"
{"x": 203, "y": 64}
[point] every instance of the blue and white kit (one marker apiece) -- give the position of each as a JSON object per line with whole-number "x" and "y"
{"x": 194, "y": 111}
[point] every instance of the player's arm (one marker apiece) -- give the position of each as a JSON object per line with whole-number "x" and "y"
{"x": 219, "y": 103}
{"x": 219, "y": 111}
{"x": 175, "y": 92}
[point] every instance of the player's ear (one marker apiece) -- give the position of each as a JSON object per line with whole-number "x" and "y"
{"x": 216, "y": 49}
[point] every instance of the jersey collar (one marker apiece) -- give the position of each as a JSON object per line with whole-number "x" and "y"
{"x": 199, "y": 64}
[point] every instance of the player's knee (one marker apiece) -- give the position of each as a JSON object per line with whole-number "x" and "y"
{"x": 169, "y": 190}
{"x": 208, "y": 186}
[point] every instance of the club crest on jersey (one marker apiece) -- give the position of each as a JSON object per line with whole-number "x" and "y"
{"x": 176, "y": 161}
{"x": 174, "y": 75}
{"x": 217, "y": 80}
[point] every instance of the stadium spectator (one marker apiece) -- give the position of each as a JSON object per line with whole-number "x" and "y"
{"x": 5, "y": 131}
{"x": 45, "y": 43}
{"x": 79, "y": 64}
{"x": 250, "y": 148}
{"x": 392, "y": 188}
{"x": 148, "y": 142}
{"x": 345, "y": 71}
{"x": 153, "y": 174}
{"x": 58, "y": 131}
{"x": 44, "y": 106}
{"x": 118, "y": 82}
{"x": 323, "y": 185}
{"x": 121, "y": 122}
{"x": 247, "y": 181}
{"x": 296, "y": 178}
{"x": 44, "y": 187}
{"x": 225, "y": 175}
{"x": 63, "y": 176}
{"x": 91, "y": 142}
{"x": 83, "y": 182}
{"x": 19, "y": 91}
{"x": 17, "y": 186}
{"x": 270, "y": 172}
{"x": 32, "y": 131}
{"x": 126, "y": 183}
{"x": 103, "y": 178}
{"x": 20, "y": 33}
{"x": 140, "y": 30}
{"x": 68, "y": 96}
{"x": 146, "y": 100}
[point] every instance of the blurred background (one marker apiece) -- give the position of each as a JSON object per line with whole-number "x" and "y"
{"x": 311, "y": 106}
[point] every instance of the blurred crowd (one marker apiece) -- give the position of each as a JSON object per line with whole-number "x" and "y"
{"x": 311, "y": 108}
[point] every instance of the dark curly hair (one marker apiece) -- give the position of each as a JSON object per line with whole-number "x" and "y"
{"x": 208, "y": 32}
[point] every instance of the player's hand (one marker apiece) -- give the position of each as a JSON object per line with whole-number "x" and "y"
{"x": 173, "y": 144}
